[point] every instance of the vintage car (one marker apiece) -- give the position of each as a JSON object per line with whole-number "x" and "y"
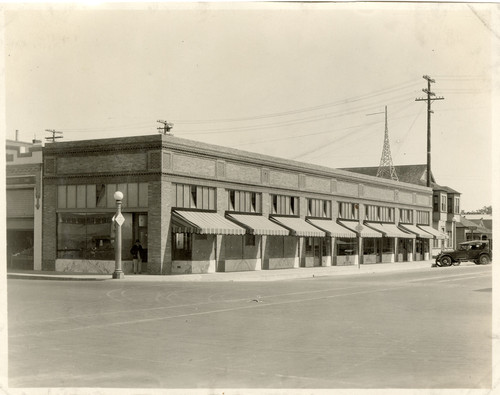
{"x": 477, "y": 251}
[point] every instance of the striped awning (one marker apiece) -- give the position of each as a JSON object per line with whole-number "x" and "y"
{"x": 361, "y": 230}
{"x": 434, "y": 232}
{"x": 390, "y": 230}
{"x": 204, "y": 223}
{"x": 258, "y": 225}
{"x": 332, "y": 228}
{"x": 416, "y": 230}
{"x": 299, "y": 227}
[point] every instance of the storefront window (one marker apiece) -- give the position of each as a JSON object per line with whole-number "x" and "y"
{"x": 346, "y": 246}
{"x": 387, "y": 245}
{"x": 370, "y": 246}
{"x": 182, "y": 246}
{"x": 309, "y": 246}
{"x": 91, "y": 236}
{"x": 419, "y": 246}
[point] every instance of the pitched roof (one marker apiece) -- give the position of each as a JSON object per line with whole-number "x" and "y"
{"x": 485, "y": 223}
{"x": 466, "y": 223}
{"x": 411, "y": 174}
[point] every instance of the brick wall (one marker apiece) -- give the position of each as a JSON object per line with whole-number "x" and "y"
{"x": 154, "y": 228}
{"x": 49, "y": 235}
{"x": 19, "y": 170}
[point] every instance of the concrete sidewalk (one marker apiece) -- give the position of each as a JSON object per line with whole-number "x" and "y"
{"x": 260, "y": 275}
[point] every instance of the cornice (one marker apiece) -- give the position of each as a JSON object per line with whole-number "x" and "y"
{"x": 100, "y": 150}
{"x": 147, "y": 176}
{"x": 278, "y": 164}
{"x": 166, "y": 143}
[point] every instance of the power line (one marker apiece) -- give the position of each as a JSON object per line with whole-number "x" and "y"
{"x": 110, "y": 128}
{"x": 310, "y": 118}
{"x": 409, "y": 129}
{"x": 313, "y": 118}
{"x": 308, "y": 134}
{"x": 53, "y": 137}
{"x": 167, "y": 126}
{"x": 306, "y": 109}
{"x": 288, "y": 137}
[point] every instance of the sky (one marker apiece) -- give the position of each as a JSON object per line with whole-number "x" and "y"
{"x": 307, "y": 82}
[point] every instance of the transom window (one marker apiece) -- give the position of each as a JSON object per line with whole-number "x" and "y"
{"x": 243, "y": 201}
{"x": 423, "y": 217}
{"x": 284, "y": 205}
{"x": 319, "y": 208}
{"x": 193, "y": 196}
{"x": 379, "y": 213}
{"x": 101, "y": 195}
{"x": 348, "y": 210}
{"x": 405, "y": 216}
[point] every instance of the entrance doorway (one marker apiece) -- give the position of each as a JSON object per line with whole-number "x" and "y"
{"x": 313, "y": 251}
{"x": 20, "y": 249}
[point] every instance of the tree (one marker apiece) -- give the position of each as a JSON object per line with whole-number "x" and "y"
{"x": 485, "y": 210}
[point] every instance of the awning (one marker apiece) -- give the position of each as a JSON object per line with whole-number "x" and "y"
{"x": 390, "y": 230}
{"x": 434, "y": 232}
{"x": 415, "y": 229}
{"x": 361, "y": 230}
{"x": 332, "y": 228}
{"x": 204, "y": 223}
{"x": 299, "y": 227}
{"x": 258, "y": 225}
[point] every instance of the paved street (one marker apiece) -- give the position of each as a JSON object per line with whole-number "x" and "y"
{"x": 425, "y": 328}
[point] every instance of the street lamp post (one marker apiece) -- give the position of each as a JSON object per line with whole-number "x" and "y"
{"x": 118, "y": 219}
{"x": 359, "y": 228}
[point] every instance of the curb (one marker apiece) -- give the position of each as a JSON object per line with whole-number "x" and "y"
{"x": 56, "y": 277}
{"x": 250, "y": 276}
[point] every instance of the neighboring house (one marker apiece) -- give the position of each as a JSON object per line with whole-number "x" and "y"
{"x": 200, "y": 208}
{"x": 24, "y": 204}
{"x": 474, "y": 229}
{"x": 483, "y": 220}
{"x": 445, "y": 204}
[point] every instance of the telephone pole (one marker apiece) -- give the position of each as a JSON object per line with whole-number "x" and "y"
{"x": 53, "y": 137}
{"x": 430, "y": 97}
{"x": 167, "y": 126}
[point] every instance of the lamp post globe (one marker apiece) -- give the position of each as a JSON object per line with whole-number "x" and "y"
{"x": 118, "y": 195}
{"x": 118, "y": 219}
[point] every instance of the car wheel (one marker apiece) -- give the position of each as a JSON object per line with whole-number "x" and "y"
{"x": 484, "y": 259}
{"x": 446, "y": 261}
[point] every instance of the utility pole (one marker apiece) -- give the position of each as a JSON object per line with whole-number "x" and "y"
{"x": 53, "y": 137}
{"x": 167, "y": 126}
{"x": 430, "y": 97}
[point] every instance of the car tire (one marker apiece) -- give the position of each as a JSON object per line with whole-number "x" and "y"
{"x": 484, "y": 259}
{"x": 445, "y": 261}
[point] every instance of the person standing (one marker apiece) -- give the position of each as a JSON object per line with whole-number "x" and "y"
{"x": 137, "y": 254}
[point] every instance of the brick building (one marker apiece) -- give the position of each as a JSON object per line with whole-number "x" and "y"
{"x": 445, "y": 202}
{"x": 200, "y": 208}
